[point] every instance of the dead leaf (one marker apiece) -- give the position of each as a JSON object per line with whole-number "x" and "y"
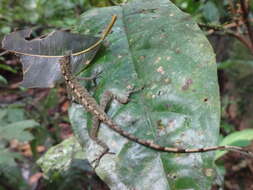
{"x": 40, "y": 56}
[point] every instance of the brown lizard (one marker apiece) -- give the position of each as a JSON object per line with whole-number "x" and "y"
{"x": 83, "y": 97}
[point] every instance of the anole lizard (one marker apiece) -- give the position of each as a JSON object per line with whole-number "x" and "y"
{"x": 82, "y": 96}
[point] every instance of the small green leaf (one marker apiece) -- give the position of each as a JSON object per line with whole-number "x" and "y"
{"x": 3, "y": 113}
{"x": 23, "y": 124}
{"x": 7, "y": 157}
{"x": 211, "y": 12}
{"x": 7, "y": 68}
{"x": 15, "y": 114}
{"x": 12, "y": 175}
{"x": 240, "y": 138}
{"x": 3, "y": 80}
{"x": 5, "y": 30}
{"x": 16, "y": 130}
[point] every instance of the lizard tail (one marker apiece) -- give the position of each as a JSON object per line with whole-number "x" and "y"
{"x": 151, "y": 144}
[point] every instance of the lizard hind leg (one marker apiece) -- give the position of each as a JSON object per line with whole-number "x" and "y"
{"x": 93, "y": 136}
{"x": 106, "y": 98}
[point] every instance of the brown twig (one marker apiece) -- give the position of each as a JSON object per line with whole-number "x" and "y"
{"x": 4, "y": 52}
{"x": 241, "y": 38}
{"x": 245, "y": 14}
{"x": 224, "y": 30}
{"x": 241, "y": 20}
{"x": 233, "y": 24}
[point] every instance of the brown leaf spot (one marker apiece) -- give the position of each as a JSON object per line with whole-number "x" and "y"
{"x": 158, "y": 60}
{"x": 208, "y": 172}
{"x": 142, "y": 58}
{"x": 171, "y": 123}
{"x": 160, "y": 70}
{"x": 187, "y": 84}
{"x": 159, "y": 124}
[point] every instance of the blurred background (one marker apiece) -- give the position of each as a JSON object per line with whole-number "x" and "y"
{"x": 42, "y": 113}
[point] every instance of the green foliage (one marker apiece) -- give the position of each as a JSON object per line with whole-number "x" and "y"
{"x": 11, "y": 177}
{"x": 100, "y": 3}
{"x": 228, "y": 128}
{"x": 3, "y": 80}
{"x": 239, "y": 138}
{"x": 17, "y": 131}
{"x": 13, "y": 125}
{"x": 239, "y": 69}
{"x": 211, "y": 11}
{"x": 57, "y": 13}
{"x": 189, "y": 6}
{"x": 43, "y": 13}
{"x": 7, "y": 68}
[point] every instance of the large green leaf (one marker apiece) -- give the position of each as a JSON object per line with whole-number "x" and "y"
{"x": 155, "y": 44}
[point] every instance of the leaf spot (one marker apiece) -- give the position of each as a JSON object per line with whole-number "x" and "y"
{"x": 171, "y": 123}
{"x": 158, "y": 60}
{"x": 160, "y": 70}
{"x": 160, "y": 126}
{"x": 187, "y": 84}
{"x": 177, "y": 50}
{"x": 172, "y": 176}
{"x": 162, "y": 36}
{"x": 129, "y": 87}
{"x": 142, "y": 58}
{"x": 167, "y": 80}
{"x": 87, "y": 62}
{"x": 87, "y": 31}
{"x": 168, "y": 58}
{"x": 208, "y": 172}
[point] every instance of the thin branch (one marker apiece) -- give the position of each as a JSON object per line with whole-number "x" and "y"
{"x": 233, "y": 24}
{"x": 224, "y": 30}
{"x": 4, "y": 52}
{"x": 245, "y": 12}
{"x": 241, "y": 38}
